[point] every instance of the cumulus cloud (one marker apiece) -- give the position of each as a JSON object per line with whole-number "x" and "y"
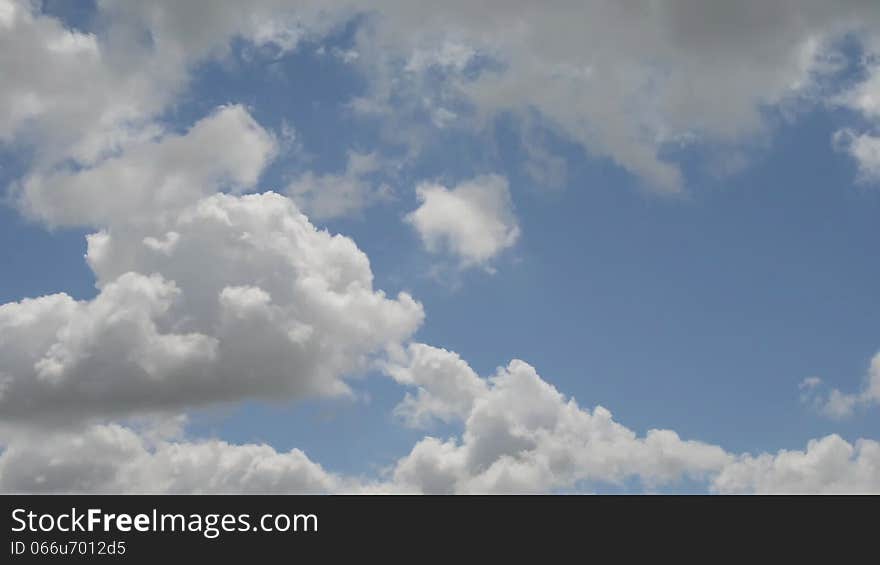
{"x": 76, "y": 97}
{"x": 521, "y": 435}
{"x": 474, "y": 221}
{"x": 42, "y": 60}
{"x": 829, "y": 465}
{"x": 226, "y": 149}
{"x": 206, "y": 298}
{"x": 232, "y": 297}
{"x": 116, "y": 459}
{"x": 201, "y": 299}
{"x": 445, "y": 384}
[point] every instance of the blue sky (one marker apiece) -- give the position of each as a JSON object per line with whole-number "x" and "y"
{"x": 701, "y": 311}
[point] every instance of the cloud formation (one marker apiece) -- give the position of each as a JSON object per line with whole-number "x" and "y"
{"x": 224, "y": 150}
{"x": 624, "y": 81}
{"x": 830, "y": 465}
{"x": 111, "y": 458}
{"x": 208, "y": 295}
{"x": 473, "y": 221}
{"x": 231, "y": 297}
{"x": 521, "y": 435}
{"x": 41, "y": 59}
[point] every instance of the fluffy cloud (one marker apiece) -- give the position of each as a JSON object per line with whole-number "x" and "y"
{"x": 67, "y": 91}
{"x": 829, "y": 465}
{"x": 201, "y": 299}
{"x": 622, "y": 81}
{"x": 243, "y": 297}
{"x": 521, "y": 435}
{"x": 226, "y": 149}
{"x": 117, "y": 459}
{"x": 81, "y": 96}
{"x": 205, "y": 299}
{"x": 446, "y": 385}
{"x": 474, "y": 221}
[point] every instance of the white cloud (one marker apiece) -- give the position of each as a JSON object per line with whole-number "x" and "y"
{"x": 474, "y": 221}
{"x": 66, "y": 91}
{"x": 226, "y": 149}
{"x": 446, "y": 385}
{"x": 115, "y": 459}
{"x": 205, "y": 299}
{"x": 621, "y": 80}
{"x": 334, "y": 195}
{"x": 71, "y": 95}
{"x": 521, "y": 435}
{"x": 864, "y": 98}
{"x": 251, "y": 300}
{"x": 829, "y": 465}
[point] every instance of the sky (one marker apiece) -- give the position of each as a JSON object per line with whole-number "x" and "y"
{"x": 513, "y": 247}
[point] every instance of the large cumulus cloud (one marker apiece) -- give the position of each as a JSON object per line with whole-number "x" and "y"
{"x": 522, "y": 435}
{"x": 236, "y": 296}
